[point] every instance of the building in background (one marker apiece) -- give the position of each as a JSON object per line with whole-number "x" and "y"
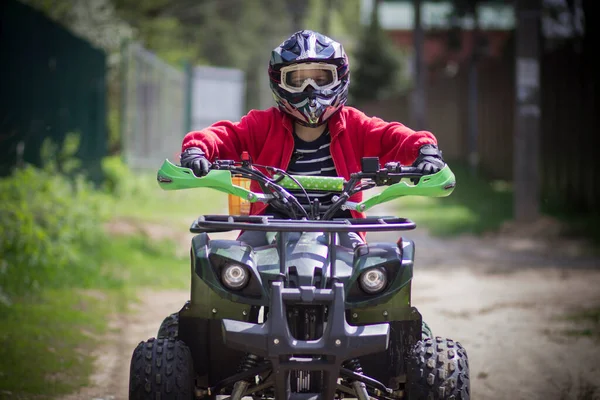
{"x": 446, "y": 50}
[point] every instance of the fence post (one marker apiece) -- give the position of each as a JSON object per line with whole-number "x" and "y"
{"x": 473, "y": 114}
{"x": 123, "y": 85}
{"x": 472, "y": 97}
{"x": 528, "y": 111}
{"x": 419, "y": 105}
{"x": 188, "y": 90}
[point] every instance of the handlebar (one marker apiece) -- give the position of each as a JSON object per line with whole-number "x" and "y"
{"x": 392, "y": 173}
{"x": 276, "y": 183}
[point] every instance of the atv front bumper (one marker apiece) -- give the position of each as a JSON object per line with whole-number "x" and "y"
{"x": 340, "y": 341}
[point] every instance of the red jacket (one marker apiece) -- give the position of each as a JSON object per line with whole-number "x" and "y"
{"x": 267, "y": 136}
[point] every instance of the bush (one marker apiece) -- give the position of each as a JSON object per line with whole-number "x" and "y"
{"x": 117, "y": 176}
{"x": 50, "y": 229}
{"x": 50, "y": 224}
{"x": 124, "y": 184}
{"x": 51, "y": 220}
{"x": 378, "y": 70}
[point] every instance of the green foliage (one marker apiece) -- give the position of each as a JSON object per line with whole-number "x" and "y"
{"x": 333, "y": 17}
{"x": 378, "y": 63}
{"x": 46, "y": 342}
{"x": 64, "y": 269}
{"x": 205, "y": 31}
{"x": 50, "y": 228}
{"x": 62, "y": 160}
{"x": 140, "y": 261}
{"x": 114, "y": 129}
{"x": 48, "y": 338}
{"x": 476, "y": 206}
{"x": 167, "y": 37}
{"x": 49, "y": 224}
{"x": 137, "y": 197}
{"x": 337, "y": 19}
{"x": 55, "y": 255}
{"x": 231, "y": 33}
{"x": 96, "y": 21}
{"x": 119, "y": 180}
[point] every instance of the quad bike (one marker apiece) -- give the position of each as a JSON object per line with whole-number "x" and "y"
{"x": 302, "y": 317}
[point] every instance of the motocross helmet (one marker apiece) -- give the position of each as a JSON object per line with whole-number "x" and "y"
{"x": 309, "y": 76}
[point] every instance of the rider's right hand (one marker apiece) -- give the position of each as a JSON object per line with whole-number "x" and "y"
{"x": 430, "y": 160}
{"x": 193, "y": 158}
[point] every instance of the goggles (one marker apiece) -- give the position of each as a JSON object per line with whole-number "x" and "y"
{"x": 296, "y": 78}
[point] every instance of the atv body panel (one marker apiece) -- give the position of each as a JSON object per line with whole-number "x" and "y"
{"x": 358, "y": 325}
{"x": 303, "y": 325}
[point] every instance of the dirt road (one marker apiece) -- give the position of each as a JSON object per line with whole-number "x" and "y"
{"x": 505, "y": 304}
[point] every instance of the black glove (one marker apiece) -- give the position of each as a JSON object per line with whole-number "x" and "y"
{"x": 429, "y": 160}
{"x": 193, "y": 158}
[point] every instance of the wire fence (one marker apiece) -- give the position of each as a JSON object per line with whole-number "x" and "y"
{"x": 161, "y": 103}
{"x": 153, "y": 108}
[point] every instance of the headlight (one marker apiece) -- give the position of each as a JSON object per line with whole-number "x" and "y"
{"x": 234, "y": 276}
{"x": 373, "y": 280}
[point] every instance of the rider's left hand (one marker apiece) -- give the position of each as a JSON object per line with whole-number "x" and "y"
{"x": 429, "y": 160}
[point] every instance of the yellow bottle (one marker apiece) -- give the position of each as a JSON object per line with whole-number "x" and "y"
{"x": 237, "y": 205}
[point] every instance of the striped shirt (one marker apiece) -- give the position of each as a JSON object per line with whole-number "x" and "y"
{"x": 312, "y": 158}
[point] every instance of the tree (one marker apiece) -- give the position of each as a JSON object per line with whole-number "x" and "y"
{"x": 95, "y": 21}
{"x": 464, "y": 8}
{"x": 378, "y": 64}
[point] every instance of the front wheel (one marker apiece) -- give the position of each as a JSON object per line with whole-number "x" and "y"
{"x": 169, "y": 328}
{"x": 438, "y": 370}
{"x": 161, "y": 368}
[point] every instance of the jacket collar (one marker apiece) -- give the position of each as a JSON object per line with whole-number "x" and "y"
{"x": 336, "y": 123}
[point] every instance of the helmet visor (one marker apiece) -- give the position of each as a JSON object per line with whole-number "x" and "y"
{"x": 296, "y": 78}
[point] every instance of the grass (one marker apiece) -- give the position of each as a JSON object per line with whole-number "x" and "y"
{"x": 140, "y": 197}
{"x": 46, "y": 340}
{"x": 478, "y": 205}
{"x": 137, "y": 261}
{"x": 586, "y": 322}
{"x": 149, "y": 203}
{"x": 475, "y": 206}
